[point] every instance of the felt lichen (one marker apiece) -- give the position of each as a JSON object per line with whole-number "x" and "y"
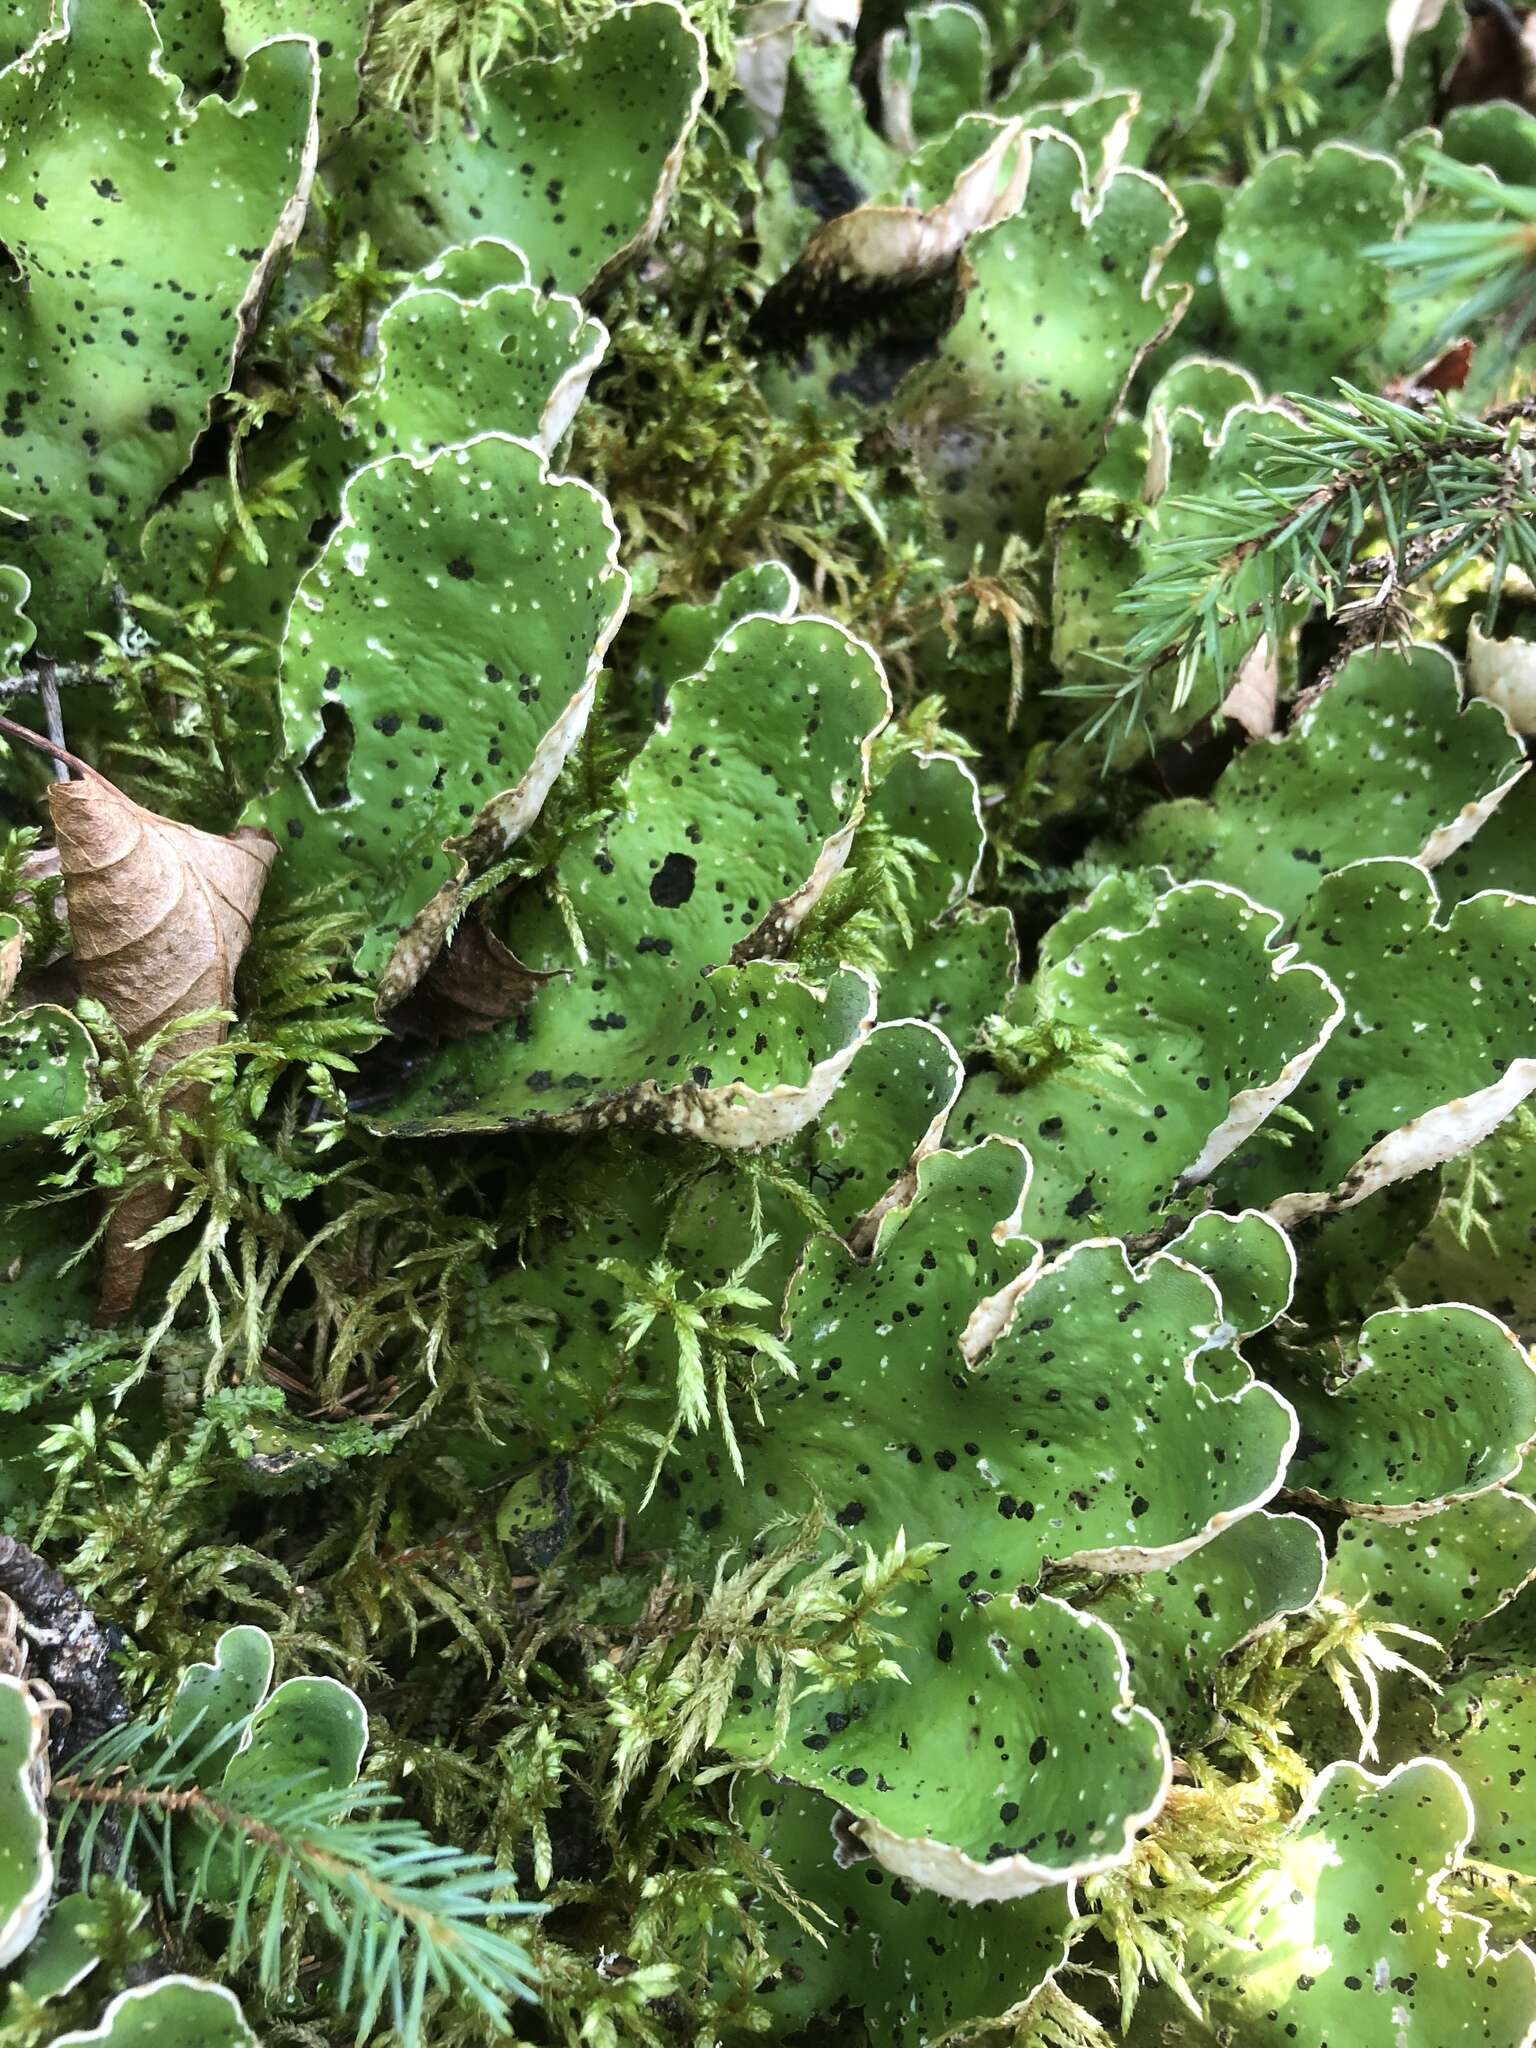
{"x": 767, "y": 934}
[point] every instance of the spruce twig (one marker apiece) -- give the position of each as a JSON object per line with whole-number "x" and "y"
{"x": 408, "y": 1915}
{"x": 1441, "y": 491}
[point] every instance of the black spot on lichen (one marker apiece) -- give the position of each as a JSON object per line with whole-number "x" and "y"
{"x": 672, "y": 883}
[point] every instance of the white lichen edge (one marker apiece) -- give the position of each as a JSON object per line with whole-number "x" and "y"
{"x": 356, "y": 1712}
{"x": 942, "y": 1868}
{"x": 1446, "y": 839}
{"x": 763, "y": 46}
{"x": 864, "y": 1232}
{"x": 1322, "y": 1785}
{"x": 1251, "y": 1106}
{"x": 1160, "y": 418}
{"x": 962, "y": 894}
{"x": 1525, "y": 1505}
{"x": 896, "y": 87}
{"x": 291, "y": 215}
{"x": 1441, "y": 1134}
{"x": 1405, "y": 20}
{"x": 1122, "y": 1559}
{"x": 27, "y": 1914}
{"x": 507, "y": 816}
{"x": 214, "y": 1666}
{"x": 990, "y": 1319}
{"x": 432, "y": 274}
{"x": 885, "y": 243}
{"x": 991, "y": 1315}
{"x": 1280, "y": 1615}
{"x": 126, "y": 2000}
{"x": 672, "y": 162}
{"x": 1503, "y": 673}
{"x": 735, "y": 1117}
{"x": 1243, "y": 1216}
{"x": 784, "y": 918}
{"x": 1422, "y": 1510}
{"x": 1091, "y": 199}
{"x": 290, "y": 221}
{"x": 559, "y": 407}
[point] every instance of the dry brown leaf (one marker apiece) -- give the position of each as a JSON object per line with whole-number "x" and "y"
{"x": 159, "y": 915}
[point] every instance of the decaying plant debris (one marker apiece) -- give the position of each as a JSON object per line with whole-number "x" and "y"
{"x": 767, "y": 1023}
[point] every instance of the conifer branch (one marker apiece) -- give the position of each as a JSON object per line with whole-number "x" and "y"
{"x": 1429, "y": 492}
{"x": 407, "y": 1915}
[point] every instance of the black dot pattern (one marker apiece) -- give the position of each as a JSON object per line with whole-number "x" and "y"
{"x": 567, "y": 162}
{"x": 136, "y": 230}
{"x": 1348, "y": 1943}
{"x": 450, "y": 621}
{"x": 1186, "y": 1007}
{"x": 1385, "y": 758}
{"x": 1433, "y": 1013}
{"x": 721, "y": 817}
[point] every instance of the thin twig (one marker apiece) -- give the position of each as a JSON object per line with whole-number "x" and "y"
{"x": 66, "y": 674}
{"x": 53, "y": 717}
{"x": 1517, "y": 409}
{"x": 30, "y": 738}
